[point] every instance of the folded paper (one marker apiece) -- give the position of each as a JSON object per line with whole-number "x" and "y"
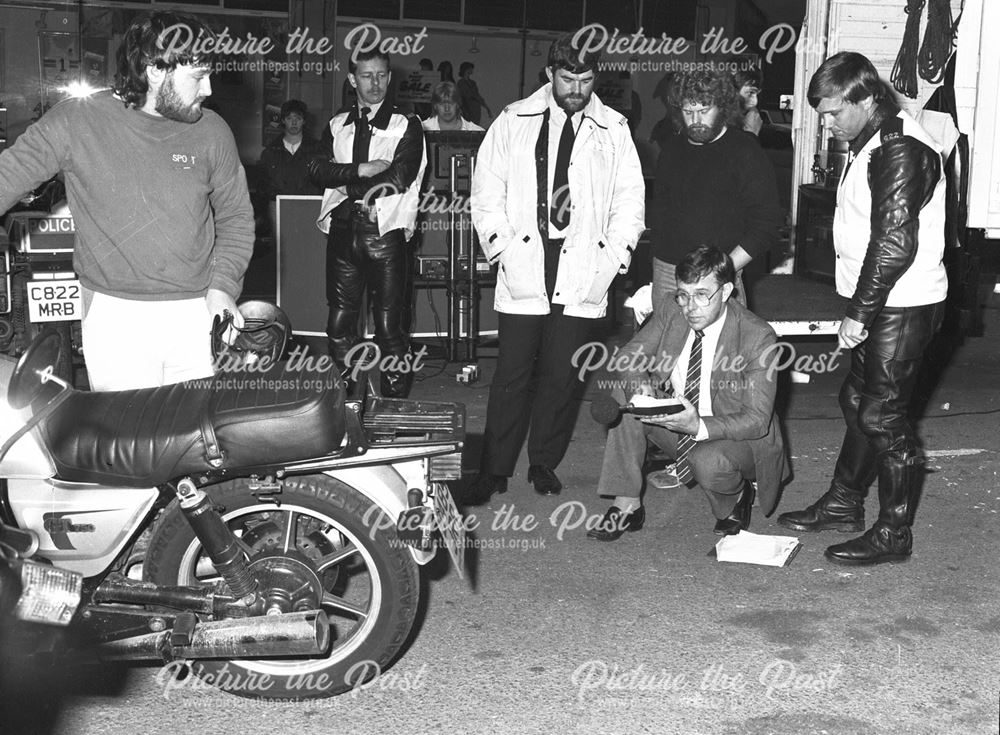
{"x": 753, "y": 548}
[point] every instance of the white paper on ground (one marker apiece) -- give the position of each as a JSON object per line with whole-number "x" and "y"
{"x": 754, "y": 548}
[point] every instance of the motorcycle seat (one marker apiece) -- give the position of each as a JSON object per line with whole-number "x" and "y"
{"x": 146, "y": 437}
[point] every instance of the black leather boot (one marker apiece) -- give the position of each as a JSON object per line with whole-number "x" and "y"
{"x": 396, "y": 384}
{"x": 841, "y": 508}
{"x": 890, "y": 538}
{"x": 338, "y": 349}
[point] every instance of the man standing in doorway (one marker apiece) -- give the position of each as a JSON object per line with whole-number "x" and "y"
{"x": 284, "y": 161}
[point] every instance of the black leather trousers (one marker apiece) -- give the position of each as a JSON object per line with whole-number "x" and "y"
{"x": 875, "y": 398}
{"x": 359, "y": 260}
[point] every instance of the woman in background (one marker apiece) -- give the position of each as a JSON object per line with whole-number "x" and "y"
{"x": 447, "y": 71}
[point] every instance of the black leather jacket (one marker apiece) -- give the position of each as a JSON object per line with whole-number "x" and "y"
{"x": 902, "y": 175}
{"x": 397, "y": 178}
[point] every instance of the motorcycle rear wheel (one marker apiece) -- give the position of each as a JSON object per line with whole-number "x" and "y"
{"x": 370, "y": 582}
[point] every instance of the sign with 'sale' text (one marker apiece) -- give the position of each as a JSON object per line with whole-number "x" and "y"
{"x": 417, "y": 86}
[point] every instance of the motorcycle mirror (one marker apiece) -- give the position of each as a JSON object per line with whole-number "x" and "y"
{"x": 34, "y": 369}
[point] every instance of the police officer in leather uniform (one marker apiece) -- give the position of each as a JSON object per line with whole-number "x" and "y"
{"x": 369, "y": 213}
{"x": 889, "y": 239}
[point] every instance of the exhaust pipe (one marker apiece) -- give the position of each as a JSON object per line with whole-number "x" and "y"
{"x": 291, "y": 634}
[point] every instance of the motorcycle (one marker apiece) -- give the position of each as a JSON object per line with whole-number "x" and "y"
{"x": 263, "y": 528}
{"x": 38, "y": 288}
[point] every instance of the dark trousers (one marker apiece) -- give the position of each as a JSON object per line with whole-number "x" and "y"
{"x": 875, "y": 396}
{"x": 358, "y": 259}
{"x": 541, "y": 346}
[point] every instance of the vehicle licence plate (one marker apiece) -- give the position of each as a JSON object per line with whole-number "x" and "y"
{"x": 451, "y": 525}
{"x": 55, "y": 301}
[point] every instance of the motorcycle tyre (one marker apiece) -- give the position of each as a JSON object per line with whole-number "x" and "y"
{"x": 399, "y": 574}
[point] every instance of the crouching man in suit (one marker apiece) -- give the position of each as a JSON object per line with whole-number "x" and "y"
{"x": 718, "y": 359}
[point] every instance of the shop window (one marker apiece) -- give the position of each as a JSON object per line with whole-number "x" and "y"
{"x": 272, "y": 6}
{"x": 676, "y": 20}
{"x": 620, "y": 14}
{"x": 499, "y": 13}
{"x": 209, "y": 3}
{"x": 369, "y": 9}
{"x": 449, "y": 11}
{"x": 563, "y": 16}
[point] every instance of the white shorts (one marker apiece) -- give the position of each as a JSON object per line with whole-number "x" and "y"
{"x": 142, "y": 344}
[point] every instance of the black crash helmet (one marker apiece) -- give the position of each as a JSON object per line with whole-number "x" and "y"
{"x": 264, "y": 334}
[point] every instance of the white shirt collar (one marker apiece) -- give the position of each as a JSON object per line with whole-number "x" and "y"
{"x": 373, "y": 109}
{"x": 709, "y": 343}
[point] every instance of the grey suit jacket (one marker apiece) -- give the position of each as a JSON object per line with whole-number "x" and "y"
{"x": 743, "y": 384}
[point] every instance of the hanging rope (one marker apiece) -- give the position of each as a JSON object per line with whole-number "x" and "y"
{"x": 939, "y": 41}
{"x": 904, "y": 71}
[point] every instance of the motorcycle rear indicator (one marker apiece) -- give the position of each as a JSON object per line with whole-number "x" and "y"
{"x": 49, "y": 595}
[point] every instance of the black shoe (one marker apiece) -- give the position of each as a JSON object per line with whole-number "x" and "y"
{"x": 615, "y": 523}
{"x": 544, "y": 480}
{"x": 838, "y": 510}
{"x": 482, "y": 487}
{"x": 879, "y": 544}
{"x": 396, "y": 384}
{"x": 739, "y": 519}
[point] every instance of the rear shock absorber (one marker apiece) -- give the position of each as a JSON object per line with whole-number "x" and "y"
{"x": 218, "y": 541}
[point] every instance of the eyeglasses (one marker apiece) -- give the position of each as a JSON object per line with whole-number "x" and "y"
{"x": 700, "y": 298}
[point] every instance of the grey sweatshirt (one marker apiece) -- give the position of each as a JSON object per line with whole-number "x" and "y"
{"x": 161, "y": 207}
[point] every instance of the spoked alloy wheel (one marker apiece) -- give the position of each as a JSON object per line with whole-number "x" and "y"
{"x": 322, "y": 548}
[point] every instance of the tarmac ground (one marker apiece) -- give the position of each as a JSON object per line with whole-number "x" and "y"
{"x": 551, "y": 632}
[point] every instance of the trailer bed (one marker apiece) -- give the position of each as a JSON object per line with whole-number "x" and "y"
{"x": 795, "y": 305}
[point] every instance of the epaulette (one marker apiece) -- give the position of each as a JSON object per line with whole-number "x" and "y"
{"x": 891, "y": 129}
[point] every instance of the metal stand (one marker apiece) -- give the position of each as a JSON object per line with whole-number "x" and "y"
{"x": 463, "y": 287}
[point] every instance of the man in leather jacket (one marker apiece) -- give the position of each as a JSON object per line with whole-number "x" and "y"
{"x": 369, "y": 212}
{"x": 889, "y": 239}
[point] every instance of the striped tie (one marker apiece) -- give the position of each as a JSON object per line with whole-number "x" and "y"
{"x": 692, "y": 391}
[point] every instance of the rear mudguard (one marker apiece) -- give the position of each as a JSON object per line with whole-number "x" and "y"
{"x": 386, "y": 486}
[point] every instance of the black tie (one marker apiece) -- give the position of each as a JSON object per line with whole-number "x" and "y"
{"x": 362, "y": 136}
{"x": 692, "y": 391}
{"x": 559, "y": 209}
